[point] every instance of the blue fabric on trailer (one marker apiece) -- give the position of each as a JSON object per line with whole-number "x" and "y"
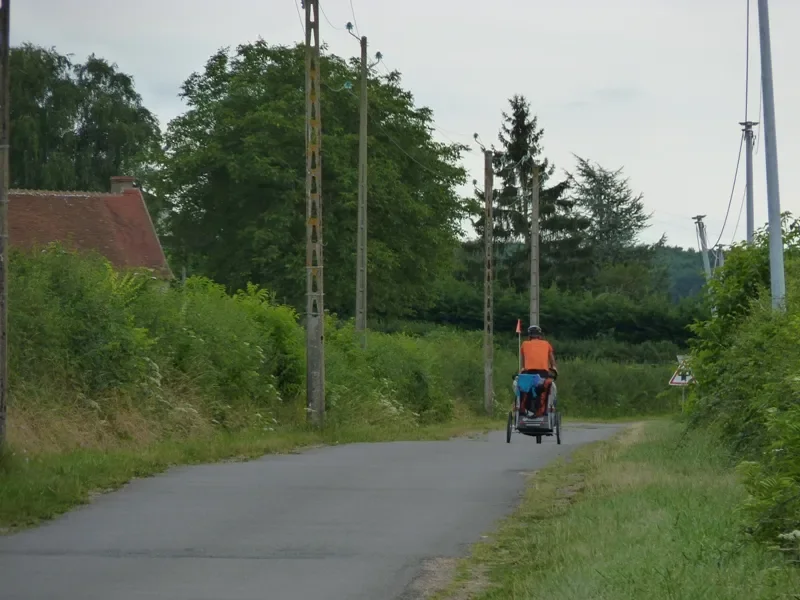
{"x": 528, "y": 382}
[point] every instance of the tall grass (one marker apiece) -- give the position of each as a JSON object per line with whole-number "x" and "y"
{"x": 602, "y": 347}
{"x": 651, "y": 514}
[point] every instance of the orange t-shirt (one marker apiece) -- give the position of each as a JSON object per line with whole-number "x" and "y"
{"x": 536, "y": 355}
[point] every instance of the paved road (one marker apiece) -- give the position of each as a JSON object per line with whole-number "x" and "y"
{"x": 350, "y": 522}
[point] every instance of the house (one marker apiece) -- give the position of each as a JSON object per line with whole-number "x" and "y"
{"x": 116, "y": 225}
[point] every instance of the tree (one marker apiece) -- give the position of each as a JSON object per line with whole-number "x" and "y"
{"x": 685, "y": 268}
{"x": 74, "y": 126}
{"x": 616, "y": 214}
{"x": 235, "y": 179}
{"x": 563, "y": 252}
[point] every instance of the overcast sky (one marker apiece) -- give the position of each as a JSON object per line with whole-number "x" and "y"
{"x": 654, "y": 86}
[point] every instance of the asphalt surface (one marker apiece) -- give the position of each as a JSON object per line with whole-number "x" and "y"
{"x": 351, "y": 522}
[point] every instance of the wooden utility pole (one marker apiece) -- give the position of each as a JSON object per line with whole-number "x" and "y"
{"x": 534, "y": 301}
{"x": 701, "y": 235}
{"x": 315, "y": 312}
{"x": 488, "y": 296}
{"x": 5, "y": 20}
{"x": 361, "y": 259}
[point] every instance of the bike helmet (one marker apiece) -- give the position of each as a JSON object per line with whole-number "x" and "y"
{"x": 534, "y": 330}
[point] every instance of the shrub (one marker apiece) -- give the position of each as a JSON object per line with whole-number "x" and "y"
{"x": 746, "y": 360}
{"x": 89, "y": 338}
{"x": 605, "y": 389}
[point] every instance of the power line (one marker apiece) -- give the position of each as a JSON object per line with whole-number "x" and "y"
{"x": 355, "y": 21}
{"x": 391, "y": 139}
{"x": 436, "y": 127}
{"x": 760, "y": 113}
{"x": 322, "y": 10}
{"x": 299, "y": 16}
{"x": 738, "y": 218}
{"x": 733, "y": 191}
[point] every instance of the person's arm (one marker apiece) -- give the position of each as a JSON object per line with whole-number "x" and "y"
{"x": 552, "y": 359}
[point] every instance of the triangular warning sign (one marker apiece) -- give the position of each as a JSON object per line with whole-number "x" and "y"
{"x": 681, "y": 377}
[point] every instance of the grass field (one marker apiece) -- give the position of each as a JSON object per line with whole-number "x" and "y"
{"x": 650, "y": 515}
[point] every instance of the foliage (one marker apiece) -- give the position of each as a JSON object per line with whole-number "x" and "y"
{"x": 746, "y": 361}
{"x": 650, "y": 514}
{"x": 615, "y": 214}
{"x": 684, "y": 269}
{"x": 74, "y": 126}
{"x": 603, "y": 389}
{"x": 595, "y": 349}
{"x": 92, "y": 335}
{"x": 235, "y": 177}
{"x": 77, "y": 325}
{"x": 568, "y": 316}
{"x": 563, "y": 254}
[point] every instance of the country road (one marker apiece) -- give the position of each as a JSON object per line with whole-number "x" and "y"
{"x": 353, "y": 522}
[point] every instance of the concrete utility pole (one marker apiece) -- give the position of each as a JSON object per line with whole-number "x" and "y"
{"x": 488, "y": 295}
{"x": 719, "y": 257}
{"x": 701, "y": 232}
{"x": 361, "y": 259}
{"x": 776, "y": 269}
{"x": 748, "y": 142}
{"x": 534, "y": 301}
{"x": 5, "y": 22}
{"x": 315, "y": 312}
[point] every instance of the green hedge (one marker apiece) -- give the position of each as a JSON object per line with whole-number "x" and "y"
{"x": 747, "y": 363}
{"x": 569, "y": 315}
{"x": 82, "y": 333}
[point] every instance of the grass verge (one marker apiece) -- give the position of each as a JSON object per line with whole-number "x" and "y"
{"x": 651, "y": 514}
{"x": 42, "y": 486}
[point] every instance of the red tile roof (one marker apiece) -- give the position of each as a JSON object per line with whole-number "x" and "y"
{"x": 116, "y": 225}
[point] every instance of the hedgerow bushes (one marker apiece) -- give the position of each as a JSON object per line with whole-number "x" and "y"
{"x": 604, "y": 389}
{"x": 89, "y": 339}
{"x": 747, "y": 363}
{"x": 93, "y": 337}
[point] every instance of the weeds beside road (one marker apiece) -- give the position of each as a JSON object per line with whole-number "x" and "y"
{"x": 651, "y": 514}
{"x": 39, "y": 487}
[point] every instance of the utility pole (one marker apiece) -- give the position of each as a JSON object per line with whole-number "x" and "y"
{"x": 5, "y": 22}
{"x": 748, "y": 142}
{"x": 488, "y": 295}
{"x": 534, "y": 300}
{"x": 701, "y": 232}
{"x": 776, "y": 269}
{"x": 315, "y": 312}
{"x": 361, "y": 258}
{"x": 719, "y": 257}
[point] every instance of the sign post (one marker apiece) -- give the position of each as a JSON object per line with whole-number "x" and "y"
{"x": 682, "y": 378}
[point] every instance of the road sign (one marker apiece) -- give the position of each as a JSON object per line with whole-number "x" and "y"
{"x": 682, "y": 376}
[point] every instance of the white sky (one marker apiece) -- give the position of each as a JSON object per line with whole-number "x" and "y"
{"x": 655, "y": 86}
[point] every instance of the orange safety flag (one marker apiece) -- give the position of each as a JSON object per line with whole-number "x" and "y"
{"x": 519, "y": 326}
